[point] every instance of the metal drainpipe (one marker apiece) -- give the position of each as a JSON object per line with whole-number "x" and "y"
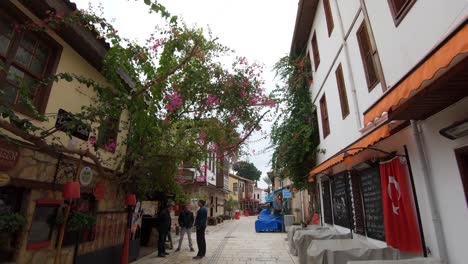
{"x": 348, "y": 64}
{"x": 302, "y": 206}
{"x": 375, "y": 52}
{"x": 429, "y": 185}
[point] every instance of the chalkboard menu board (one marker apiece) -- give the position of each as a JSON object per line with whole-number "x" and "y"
{"x": 372, "y": 198}
{"x": 42, "y": 224}
{"x": 340, "y": 190}
{"x": 358, "y": 206}
{"x": 327, "y": 210}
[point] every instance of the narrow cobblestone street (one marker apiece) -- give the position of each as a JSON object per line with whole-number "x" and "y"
{"x": 232, "y": 242}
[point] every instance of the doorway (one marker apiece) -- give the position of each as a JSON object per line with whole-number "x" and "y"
{"x": 462, "y": 160}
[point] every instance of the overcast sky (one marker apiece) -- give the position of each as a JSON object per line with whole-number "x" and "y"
{"x": 260, "y": 30}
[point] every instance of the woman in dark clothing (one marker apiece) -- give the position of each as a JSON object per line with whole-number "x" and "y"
{"x": 163, "y": 226}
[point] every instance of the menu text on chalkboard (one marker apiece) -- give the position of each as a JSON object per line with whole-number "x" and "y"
{"x": 359, "y": 226}
{"x": 342, "y": 215}
{"x": 372, "y": 198}
{"x": 327, "y": 210}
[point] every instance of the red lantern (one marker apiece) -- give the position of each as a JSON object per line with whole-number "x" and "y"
{"x": 71, "y": 190}
{"x": 130, "y": 200}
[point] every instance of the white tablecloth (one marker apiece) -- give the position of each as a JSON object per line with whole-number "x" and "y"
{"x": 303, "y": 238}
{"x": 292, "y": 230}
{"x": 402, "y": 261}
{"x": 340, "y": 251}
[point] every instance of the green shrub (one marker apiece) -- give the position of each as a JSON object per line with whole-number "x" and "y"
{"x": 10, "y": 223}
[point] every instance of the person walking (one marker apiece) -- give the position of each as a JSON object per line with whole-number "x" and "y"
{"x": 185, "y": 223}
{"x": 163, "y": 226}
{"x": 200, "y": 223}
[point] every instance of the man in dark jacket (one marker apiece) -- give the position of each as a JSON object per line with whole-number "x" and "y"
{"x": 163, "y": 226}
{"x": 200, "y": 223}
{"x": 185, "y": 223}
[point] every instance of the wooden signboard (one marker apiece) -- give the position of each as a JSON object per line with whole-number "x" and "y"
{"x": 372, "y": 199}
{"x": 340, "y": 192}
{"x": 9, "y": 156}
{"x": 67, "y": 123}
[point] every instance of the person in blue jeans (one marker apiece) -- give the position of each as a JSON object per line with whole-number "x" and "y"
{"x": 185, "y": 223}
{"x": 200, "y": 224}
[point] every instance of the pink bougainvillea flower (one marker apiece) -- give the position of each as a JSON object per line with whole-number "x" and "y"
{"x": 174, "y": 100}
{"x": 214, "y": 148}
{"x": 203, "y": 135}
{"x": 212, "y": 100}
{"x": 110, "y": 146}
{"x": 92, "y": 140}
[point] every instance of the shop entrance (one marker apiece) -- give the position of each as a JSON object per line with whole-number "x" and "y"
{"x": 462, "y": 159}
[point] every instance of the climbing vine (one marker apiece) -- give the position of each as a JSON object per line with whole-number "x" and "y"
{"x": 295, "y": 135}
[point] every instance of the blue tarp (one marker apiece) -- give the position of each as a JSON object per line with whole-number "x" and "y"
{"x": 268, "y": 223}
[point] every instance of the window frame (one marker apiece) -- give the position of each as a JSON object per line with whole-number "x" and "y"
{"x": 399, "y": 15}
{"x": 315, "y": 50}
{"x": 371, "y": 84}
{"x": 108, "y": 120}
{"x": 324, "y": 116}
{"x": 45, "y": 243}
{"x": 11, "y": 13}
{"x": 340, "y": 83}
{"x": 328, "y": 16}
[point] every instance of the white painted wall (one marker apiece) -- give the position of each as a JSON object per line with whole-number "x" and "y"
{"x": 426, "y": 23}
{"x": 342, "y": 131}
{"x": 449, "y": 193}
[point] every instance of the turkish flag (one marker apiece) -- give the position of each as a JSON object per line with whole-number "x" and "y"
{"x": 401, "y": 229}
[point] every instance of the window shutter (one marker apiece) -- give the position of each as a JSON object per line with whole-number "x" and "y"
{"x": 367, "y": 56}
{"x": 342, "y": 91}
{"x": 328, "y": 16}
{"x": 324, "y": 112}
{"x": 315, "y": 51}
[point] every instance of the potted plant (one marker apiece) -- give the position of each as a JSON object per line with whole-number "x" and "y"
{"x": 9, "y": 225}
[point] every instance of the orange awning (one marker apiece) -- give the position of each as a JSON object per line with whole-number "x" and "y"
{"x": 364, "y": 142}
{"x": 439, "y": 59}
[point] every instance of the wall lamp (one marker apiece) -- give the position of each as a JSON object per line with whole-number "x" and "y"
{"x": 456, "y": 130}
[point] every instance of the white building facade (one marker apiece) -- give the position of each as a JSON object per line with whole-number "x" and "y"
{"x": 392, "y": 75}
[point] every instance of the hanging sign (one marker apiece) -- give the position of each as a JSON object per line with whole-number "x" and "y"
{"x": 9, "y": 155}
{"x": 99, "y": 191}
{"x": 86, "y": 176}
{"x": 66, "y": 122}
{"x": 287, "y": 194}
{"x": 4, "y": 179}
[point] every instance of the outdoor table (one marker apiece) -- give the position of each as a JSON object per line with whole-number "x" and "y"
{"x": 303, "y": 238}
{"x": 401, "y": 261}
{"x": 340, "y": 251}
{"x": 294, "y": 229}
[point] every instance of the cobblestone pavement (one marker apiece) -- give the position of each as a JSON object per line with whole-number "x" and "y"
{"x": 232, "y": 242}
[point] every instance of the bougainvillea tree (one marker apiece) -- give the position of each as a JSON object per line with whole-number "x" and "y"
{"x": 183, "y": 101}
{"x": 295, "y": 135}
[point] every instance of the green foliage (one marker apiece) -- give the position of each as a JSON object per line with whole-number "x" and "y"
{"x": 80, "y": 221}
{"x": 295, "y": 134}
{"x": 247, "y": 170}
{"x": 11, "y": 223}
{"x": 230, "y": 204}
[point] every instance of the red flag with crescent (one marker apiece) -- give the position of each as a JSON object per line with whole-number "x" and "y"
{"x": 401, "y": 228}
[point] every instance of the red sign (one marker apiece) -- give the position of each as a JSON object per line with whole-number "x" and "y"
{"x": 99, "y": 190}
{"x": 9, "y": 155}
{"x": 401, "y": 229}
